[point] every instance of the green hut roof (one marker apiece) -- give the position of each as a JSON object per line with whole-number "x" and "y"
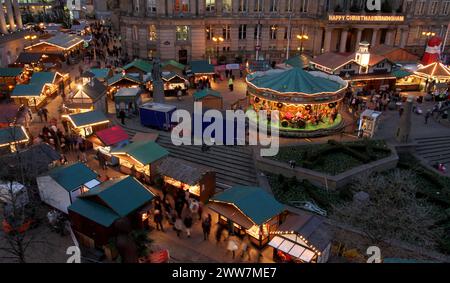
{"x": 146, "y": 152}
{"x": 198, "y": 95}
{"x": 41, "y": 78}
{"x": 118, "y": 77}
{"x": 10, "y": 72}
{"x": 123, "y": 195}
{"x": 254, "y": 202}
{"x": 27, "y": 90}
{"x": 87, "y": 118}
{"x": 101, "y": 74}
{"x": 174, "y": 64}
{"x": 94, "y": 211}
{"x": 294, "y": 80}
{"x": 12, "y": 134}
{"x": 401, "y": 73}
{"x": 72, "y": 176}
{"x": 140, "y": 64}
{"x": 202, "y": 67}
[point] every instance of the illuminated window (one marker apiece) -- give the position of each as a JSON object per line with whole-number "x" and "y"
{"x": 210, "y": 5}
{"x": 182, "y": 33}
{"x": 152, "y": 33}
{"x": 209, "y": 32}
{"x": 226, "y": 31}
{"x": 226, "y": 6}
{"x": 181, "y": 6}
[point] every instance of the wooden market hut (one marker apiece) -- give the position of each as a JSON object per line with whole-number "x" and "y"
{"x": 201, "y": 69}
{"x": 249, "y": 211}
{"x": 102, "y": 74}
{"x": 30, "y": 61}
{"x": 9, "y": 77}
{"x": 302, "y": 238}
{"x": 90, "y": 96}
{"x": 41, "y": 86}
{"x": 57, "y": 47}
{"x": 61, "y": 186}
{"x": 139, "y": 67}
{"x": 12, "y": 139}
{"x": 108, "y": 139}
{"x": 93, "y": 214}
{"x": 172, "y": 81}
{"x": 141, "y": 159}
{"x": 129, "y": 100}
{"x": 173, "y": 66}
{"x": 179, "y": 174}
{"x": 210, "y": 98}
{"x": 123, "y": 80}
{"x": 87, "y": 123}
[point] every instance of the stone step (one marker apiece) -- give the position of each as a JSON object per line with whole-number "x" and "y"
{"x": 435, "y": 143}
{"x": 431, "y": 139}
{"x": 423, "y": 151}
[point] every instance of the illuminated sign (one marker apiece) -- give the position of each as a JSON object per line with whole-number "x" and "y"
{"x": 365, "y": 18}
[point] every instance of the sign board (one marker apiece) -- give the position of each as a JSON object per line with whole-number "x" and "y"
{"x": 365, "y": 18}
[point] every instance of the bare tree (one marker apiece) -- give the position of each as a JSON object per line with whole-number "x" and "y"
{"x": 392, "y": 212}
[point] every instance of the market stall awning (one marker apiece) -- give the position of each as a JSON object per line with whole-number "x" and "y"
{"x": 89, "y": 118}
{"x": 174, "y": 64}
{"x": 120, "y": 76}
{"x": 13, "y": 135}
{"x": 112, "y": 135}
{"x": 143, "y": 65}
{"x": 72, "y": 176}
{"x": 198, "y": 95}
{"x": 10, "y": 72}
{"x": 93, "y": 211}
{"x": 401, "y": 73}
{"x": 292, "y": 248}
{"x": 183, "y": 171}
{"x": 28, "y": 90}
{"x": 42, "y": 78}
{"x": 29, "y": 58}
{"x": 128, "y": 92}
{"x": 168, "y": 76}
{"x": 145, "y": 152}
{"x": 250, "y": 200}
{"x": 62, "y": 41}
{"x": 101, "y": 73}
{"x": 201, "y": 67}
{"x": 231, "y": 212}
{"x": 435, "y": 70}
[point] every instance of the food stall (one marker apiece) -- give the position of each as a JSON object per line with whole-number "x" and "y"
{"x": 201, "y": 70}
{"x": 89, "y": 96}
{"x": 172, "y": 82}
{"x": 140, "y": 159}
{"x": 368, "y": 123}
{"x": 209, "y": 98}
{"x": 107, "y": 139}
{"x": 240, "y": 208}
{"x": 173, "y": 66}
{"x": 432, "y": 74}
{"x": 128, "y": 99}
{"x": 87, "y": 123}
{"x": 179, "y": 174}
{"x": 123, "y": 80}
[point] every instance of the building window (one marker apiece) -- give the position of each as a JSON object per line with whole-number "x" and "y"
{"x": 135, "y": 35}
{"x": 181, "y": 6}
{"x": 273, "y": 5}
{"x": 243, "y": 5}
{"x": 273, "y": 31}
{"x": 420, "y": 8}
{"x": 257, "y": 33}
{"x": 151, "y": 6}
{"x": 136, "y": 5}
{"x": 304, "y": 6}
{"x": 152, "y": 33}
{"x": 242, "y": 31}
{"x": 289, "y": 5}
{"x": 445, "y": 8}
{"x": 226, "y": 31}
{"x": 210, "y": 5}
{"x": 408, "y": 6}
{"x": 259, "y": 6}
{"x": 286, "y": 32}
{"x": 182, "y": 33}
{"x": 434, "y": 7}
{"x": 226, "y": 6}
{"x": 209, "y": 32}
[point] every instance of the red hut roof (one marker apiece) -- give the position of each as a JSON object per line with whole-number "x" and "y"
{"x": 112, "y": 135}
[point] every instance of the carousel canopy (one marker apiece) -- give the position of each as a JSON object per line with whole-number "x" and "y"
{"x": 183, "y": 171}
{"x": 112, "y": 135}
{"x": 10, "y": 72}
{"x": 198, "y": 95}
{"x": 146, "y": 152}
{"x": 250, "y": 200}
{"x": 140, "y": 64}
{"x": 294, "y": 80}
{"x": 435, "y": 70}
{"x": 72, "y": 176}
{"x": 88, "y": 118}
{"x": 298, "y": 61}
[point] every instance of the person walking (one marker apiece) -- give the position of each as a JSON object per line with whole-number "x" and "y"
{"x": 245, "y": 248}
{"x": 158, "y": 218}
{"x": 122, "y": 116}
{"x": 41, "y": 115}
{"x": 188, "y": 224}
{"x": 206, "y": 226}
{"x": 232, "y": 245}
{"x": 179, "y": 93}
{"x": 178, "y": 226}
{"x": 200, "y": 210}
{"x": 230, "y": 83}
{"x": 82, "y": 148}
{"x": 219, "y": 232}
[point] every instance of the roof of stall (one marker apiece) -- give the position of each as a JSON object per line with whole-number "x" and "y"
{"x": 128, "y": 92}
{"x": 183, "y": 171}
{"x": 112, "y": 135}
{"x": 168, "y": 76}
{"x": 72, "y": 176}
{"x": 88, "y": 118}
{"x": 10, "y": 72}
{"x": 201, "y": 67}
{"x": 61, "y": 40}
{"x": 28, "y": 58}
{"x": 120, "y": 76}
{"x": 198, "y": 95}
{"x": 94, "y": 89}
{"x": 140, "y": 64}
{"x": 28, "y": 90}
{"x": 174, "y": 64}
{"x": 434, "y": 70}
{"x": 41, "y": 78}
{"x": 294, "y": 80}
{"x": 13, "y": 134}
{"x": 101, "y": 73}
{"x": 146, "y": 152}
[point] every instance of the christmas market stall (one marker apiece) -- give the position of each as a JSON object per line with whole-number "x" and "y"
{"x": 172, "y": 83}
{"x": 209, "y": 98}
{"x": 12, "y": 139}
{"x": 173, "y": 66}
{"x": 9, "y": 77}
{"x": 179, "y": 174}
{"x": 128, "y": 100}
{"x": 88, "y": 97}
{"x": 201, "y": 70}
{"x": 30, "y": 61}
{"x": 94, "y": 213}
{"x": 102, "y": 74}
{"x": 87, "y": 123}
{"x": 139, "y": 68}
{"x": 433, "y": 74}
{"x": 248, "y": 211}
{"x": 301, "y": 238}
{"x": 141, "y": 159}
{"x": 123, "y": 80}
{"x": 108, "y": 139}
{"x": 41, "y": 86}
{"x": 308, "y": 102}
{"x": 62, "y": 185}
{"x": 58, "y": 47}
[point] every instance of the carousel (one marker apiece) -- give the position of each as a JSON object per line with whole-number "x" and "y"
{"x": 308, "y": 102}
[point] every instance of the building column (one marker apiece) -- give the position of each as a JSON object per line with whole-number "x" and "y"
{"x": 9, "y": 10}
{"x": 358, "y": 38}
{"x": 374, "y": 37}
{"x": 17, "y": 14}
{"x": 403, "y": 38}
{"x": 344, "y": 37}
{"x": 327, "y": 40}
{"x": 3, "y": 28}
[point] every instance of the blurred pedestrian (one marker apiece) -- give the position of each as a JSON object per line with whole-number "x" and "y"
{"x": 232, "y": 245}
{"x": 206, "y": 226}
{"x": 178, "y": 226}
{"x": 188, "y": 224}
{"x": 158, "y": 218}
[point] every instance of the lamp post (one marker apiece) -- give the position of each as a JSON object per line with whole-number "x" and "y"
{"x": 30, "y": 38}
{"x": 217, "y": 40}
{"x": 302, "y": 37}
{"x": 427, "y": 35}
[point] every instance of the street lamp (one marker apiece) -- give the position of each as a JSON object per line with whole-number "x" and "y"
{"x": 302, "y": 37}
{"x": 427, "y": 34}
{"x": 31, "y": 38}
{"x": 217, "y": 40}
